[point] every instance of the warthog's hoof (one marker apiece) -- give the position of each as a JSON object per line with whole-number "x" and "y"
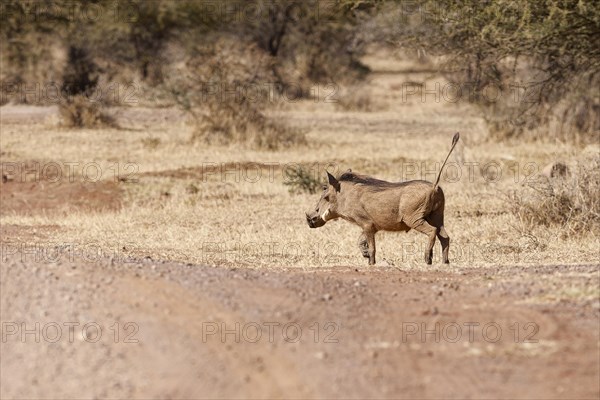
{"x": 429, "y": 257}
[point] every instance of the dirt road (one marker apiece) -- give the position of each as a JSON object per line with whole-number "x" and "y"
{"x": 109, "y": 328}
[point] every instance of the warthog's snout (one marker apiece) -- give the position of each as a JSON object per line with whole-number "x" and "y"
{"x": 314, "y": 221}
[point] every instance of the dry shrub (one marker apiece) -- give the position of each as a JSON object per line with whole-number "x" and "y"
{"x": 80, "y": 112}
{"x": 571, "y": 202}
{"x": 226, "y": 121}
{"x": 226, "y": 88}
{"x": 79, "y": 82}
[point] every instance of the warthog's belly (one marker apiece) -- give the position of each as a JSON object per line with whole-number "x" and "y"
{"x": 393, "y": 226}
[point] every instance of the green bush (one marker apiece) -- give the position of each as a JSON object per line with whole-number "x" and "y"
{"x": 300, "y": 180}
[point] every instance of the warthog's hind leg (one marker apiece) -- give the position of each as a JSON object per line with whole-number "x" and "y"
{"x": 431, "y": 232}
{"x": 445, "y": 241}
{"x": 436, "y": 219}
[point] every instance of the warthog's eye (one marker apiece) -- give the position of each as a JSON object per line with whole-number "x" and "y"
{"x": 324, "y": 187}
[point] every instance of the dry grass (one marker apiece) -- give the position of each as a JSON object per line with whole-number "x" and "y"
{"x": 571, "y": 202}
{"x": 239, "y": 212}
{"x": 80, "y": 112}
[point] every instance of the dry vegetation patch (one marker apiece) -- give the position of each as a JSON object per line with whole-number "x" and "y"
{"x": 226, "y": 89}
{"x": 570, "y": 202}
{"x": 81, "y": 112}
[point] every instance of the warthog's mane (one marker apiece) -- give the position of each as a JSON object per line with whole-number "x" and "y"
{"x": 369, "y": 182}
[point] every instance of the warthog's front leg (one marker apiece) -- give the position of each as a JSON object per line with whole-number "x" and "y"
{"x": 366, "y": 244}
{"x": 363, "y": 245}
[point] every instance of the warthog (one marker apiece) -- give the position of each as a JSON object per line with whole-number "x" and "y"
{"x": 376, "y": 205}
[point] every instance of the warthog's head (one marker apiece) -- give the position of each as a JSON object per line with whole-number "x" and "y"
{"x": 326, "y": 208}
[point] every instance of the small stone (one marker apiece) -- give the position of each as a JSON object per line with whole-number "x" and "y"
{"x": 386, "y": 263}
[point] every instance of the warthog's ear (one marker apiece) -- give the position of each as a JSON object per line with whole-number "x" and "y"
{"x": 333, "y": 182}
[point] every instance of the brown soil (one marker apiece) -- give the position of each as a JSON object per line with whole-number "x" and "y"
{"x": 38, "y": 193}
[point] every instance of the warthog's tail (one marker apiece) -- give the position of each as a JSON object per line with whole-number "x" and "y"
{"x": 454, "y": 141}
